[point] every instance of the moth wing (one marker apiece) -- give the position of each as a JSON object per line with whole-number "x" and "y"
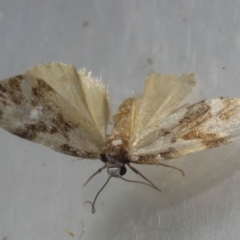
{"x": 200, "y": 126}
{"x": 162, "y": 95}
{"x": 96, "y": 99}
{"x": 47, "y": 105}
{"x": 87, "y": 94}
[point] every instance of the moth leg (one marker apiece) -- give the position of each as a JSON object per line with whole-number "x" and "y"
{"x": 163, "y": 164}
{"x": 147, "y": 184}
{"x": 137, "y": 172}
{"x": 98, "y": 171}
{"x": 170, "y": 166}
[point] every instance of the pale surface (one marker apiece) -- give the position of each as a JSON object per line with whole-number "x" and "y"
{"x": 124, "y": 41}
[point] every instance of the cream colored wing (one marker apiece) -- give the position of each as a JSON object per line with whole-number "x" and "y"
{"x": 162, "y": 95}
{"x": 49, "y": 105}
{"x": 80, "y": 89}
{"x": 203, "y": 125}
{"x": 96, "y": 101}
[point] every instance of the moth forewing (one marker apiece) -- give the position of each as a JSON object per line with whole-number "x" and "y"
{"x": 64, "y": 80}
{"x": 35, "y": 110}
{"x": 80, "y": 89}
{"x": 204, "y": 125}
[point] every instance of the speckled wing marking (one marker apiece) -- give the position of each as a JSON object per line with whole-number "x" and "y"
{"x": 49, "y": 105}
{"x": 162, "y": 95}
{"x": 203, "y": 125}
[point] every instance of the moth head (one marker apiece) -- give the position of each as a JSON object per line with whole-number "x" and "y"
{"x": 117, "y": 171}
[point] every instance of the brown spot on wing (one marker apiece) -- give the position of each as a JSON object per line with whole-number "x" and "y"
{"x": 226, "y": 114}
{"x": 195, "y": 115}
{"x": 209, "y": 140}
{"x": 230, "y": 108}
{"x": 30, "y": 131}
{"x": 163, "y": 132}
{"x": 14, "y": 83}
{"x": 2, "y": 88}
{"x": 42, "y": 96}
{"x": 14, "y": 90}
{"x": 67, "y": 149}
{"x": 34, "y": 102}
{"x": 2, "y": 96}
{"x": 16, "y": 98}
{"x": 4, "y": 102}
{"x": 20, "y": 76}
{"x": 72, "y": 151}
{"x": 25, "y": 133}
{"x": 195, "y": 134}
{"x": 39, "y": 127}
{"x": 41, "y": 88}
{"x": 62, "y": 126}
{"x": 173, "y": 140}
{"x": 215, "y": 142}
{"x": 171, "y": 153}
{"x": 147, "y": 159}
{"x": 11, "y": 88}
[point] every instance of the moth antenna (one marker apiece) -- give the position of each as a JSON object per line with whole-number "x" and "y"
{"x": 94, "y": 201}
{"x": 98, "y": 171}
{"x": 170, "y": 166}
{"x": 137, "y": 172}
{"x": 127, "y": 180}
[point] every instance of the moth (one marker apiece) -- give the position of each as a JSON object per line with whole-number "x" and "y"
{"x": 68, "y": 111}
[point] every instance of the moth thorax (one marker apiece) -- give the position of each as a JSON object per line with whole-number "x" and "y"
{"x": 115, "y": 157}
{"x": 115, "y": 151}
{"x": 116, "y": 147}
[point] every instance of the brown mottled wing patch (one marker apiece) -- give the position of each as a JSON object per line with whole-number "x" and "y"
{"x": 80, "y": 89}
{"x": 162, "y": 95}
{"x": 47, "y": 105}
{"x": 207, "y": 124}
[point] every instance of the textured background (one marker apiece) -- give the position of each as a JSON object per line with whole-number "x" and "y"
{"x": 41, "y": 193}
